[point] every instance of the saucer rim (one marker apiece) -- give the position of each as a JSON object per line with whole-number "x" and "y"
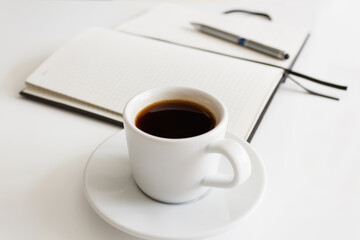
{"x": 202, "y": 235}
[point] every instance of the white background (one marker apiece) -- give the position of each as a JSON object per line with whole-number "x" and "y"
{"x": 310, "y": 145}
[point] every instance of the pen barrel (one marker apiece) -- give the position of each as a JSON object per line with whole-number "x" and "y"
{"x": 219, "y": 34}
{"x": 265, "y": 49}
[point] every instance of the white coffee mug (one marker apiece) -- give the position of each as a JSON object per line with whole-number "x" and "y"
{"x": 182, "y": 170}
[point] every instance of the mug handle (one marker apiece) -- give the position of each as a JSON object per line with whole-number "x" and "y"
{"x": 239, "y": 160}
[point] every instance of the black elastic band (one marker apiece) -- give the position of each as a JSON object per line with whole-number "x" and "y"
{"x": 312, "y": 92}
{"x": 289, "y": 71}
{"x": 318, "y": 81}
{"x": 265, "y": 15}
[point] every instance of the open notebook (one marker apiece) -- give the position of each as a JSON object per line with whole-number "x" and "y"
{"x": 99, "y": 70}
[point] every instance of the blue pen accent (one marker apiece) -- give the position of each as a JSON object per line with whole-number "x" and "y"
{"x": 242, "y": 41}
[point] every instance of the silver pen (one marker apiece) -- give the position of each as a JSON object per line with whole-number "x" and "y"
{"x": 276, "y": 53}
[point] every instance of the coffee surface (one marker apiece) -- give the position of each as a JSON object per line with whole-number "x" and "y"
{"x": 175, "y": 119}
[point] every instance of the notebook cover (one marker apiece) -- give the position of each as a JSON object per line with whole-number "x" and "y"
{"x": 71, "y": 108}
{"x": 286, "y": 73}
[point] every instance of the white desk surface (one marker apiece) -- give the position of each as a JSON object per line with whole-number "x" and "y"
{"x": 310, "y": 145}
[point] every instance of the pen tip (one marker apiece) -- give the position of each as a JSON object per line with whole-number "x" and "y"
{"x": 196, "y": 25}
{"x": 286, "y": 56}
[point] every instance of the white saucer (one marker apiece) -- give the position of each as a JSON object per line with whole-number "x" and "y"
{"x": 113, "y": 194}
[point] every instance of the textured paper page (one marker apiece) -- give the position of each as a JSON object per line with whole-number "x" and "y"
{"x": 171, "y": 22}
{"x": 105, "y": 68}
{"x": 63, "y": 99}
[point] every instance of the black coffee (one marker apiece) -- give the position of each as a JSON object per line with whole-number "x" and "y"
{"x": 175, "y": 119}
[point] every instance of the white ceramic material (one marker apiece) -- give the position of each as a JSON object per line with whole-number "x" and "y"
{"x": 113, "y": 194}
{"x": 182, "y": 170}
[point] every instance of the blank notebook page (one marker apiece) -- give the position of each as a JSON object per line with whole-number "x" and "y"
{"x": 106, "y": 68}
{"x": 171, "y": 22}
